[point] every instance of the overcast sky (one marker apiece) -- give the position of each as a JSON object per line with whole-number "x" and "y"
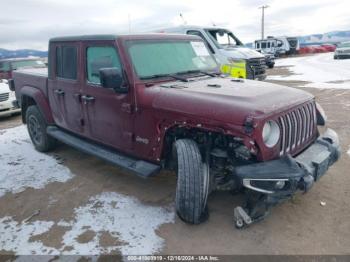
{"x": 30, "y": 23}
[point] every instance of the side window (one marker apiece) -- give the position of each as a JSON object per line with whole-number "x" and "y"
{"x": 273, "y": 44}
{"x": 197, "y": 33}
{"x": 4, "y": 66}
{"x": 100, "y": 57}
{"x": 268, "y": 45}
{"x": 263, "y": 45}
{"x": 257, "y": 45}
{"x": 66, "y": 62}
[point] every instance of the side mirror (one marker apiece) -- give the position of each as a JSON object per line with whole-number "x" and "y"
{"x": 112, "y": 78}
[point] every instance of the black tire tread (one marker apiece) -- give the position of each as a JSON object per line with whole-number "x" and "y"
{"x": 49, "y": 142}
{"x": 190, "y": 190}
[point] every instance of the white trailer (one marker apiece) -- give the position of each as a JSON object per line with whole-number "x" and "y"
{"x": 278, "y": 45}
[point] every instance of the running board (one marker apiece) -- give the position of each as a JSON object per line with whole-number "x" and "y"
{"x": 139, "y": 167}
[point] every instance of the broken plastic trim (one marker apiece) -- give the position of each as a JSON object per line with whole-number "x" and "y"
{"x": 247, "y": 184}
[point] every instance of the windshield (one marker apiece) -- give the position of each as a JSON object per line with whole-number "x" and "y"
{"x": 26, "y": 63}
{"x": 344, "y": 45}
{"x": 161, "y": 57}
{"x": 223, "y": 38}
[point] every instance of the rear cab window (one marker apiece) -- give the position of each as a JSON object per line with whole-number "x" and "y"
{"x": 67, "y": 62}
{"x": 4, "y": 66}
{"x": 98, "y": 57}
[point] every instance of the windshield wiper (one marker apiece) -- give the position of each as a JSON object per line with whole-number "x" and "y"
{"x": 164, "y": 75}
{"x": 198, "y": 72}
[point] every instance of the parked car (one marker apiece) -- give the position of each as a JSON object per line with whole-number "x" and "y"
{"x": 342, "y": 51}
{"x": 228, "y": 50}
{"x": 269, "y": 59}
{"x": 7, "y": 66}
{"x": 166, "y": 106}
{"x": 8, "y": 102}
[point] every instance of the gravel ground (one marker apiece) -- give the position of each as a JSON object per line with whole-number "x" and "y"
{"x": 72, "y": 214}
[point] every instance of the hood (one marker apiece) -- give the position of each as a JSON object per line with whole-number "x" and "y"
{"x": 225, "y": 100}
{"x": 342, "y": 49}
{"x": 241, "y": 53}
{"x": 4, "y": 88}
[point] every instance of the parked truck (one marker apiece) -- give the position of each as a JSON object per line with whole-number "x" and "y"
{"x": 153, "y": 102}
{"x": 234, "y": 58}
{"x": 7, "y": 66}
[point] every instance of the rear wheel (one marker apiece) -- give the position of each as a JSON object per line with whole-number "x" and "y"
{"x": 192, "y": 182}
{"x": 36, "y": 126}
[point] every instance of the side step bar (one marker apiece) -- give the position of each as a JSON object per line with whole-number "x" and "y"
{"x": 139, "y": 167}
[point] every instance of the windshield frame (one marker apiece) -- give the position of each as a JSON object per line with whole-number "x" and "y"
{"x": 128, "y": 43}
{"x": 216, "y": 43}
{"x": 344, "y": 45}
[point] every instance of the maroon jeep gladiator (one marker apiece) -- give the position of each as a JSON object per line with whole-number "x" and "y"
{"x": 152, "y": 102}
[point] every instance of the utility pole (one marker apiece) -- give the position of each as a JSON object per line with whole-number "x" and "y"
{"x": 129, "y": 23}
{"x": 263, "y": 20}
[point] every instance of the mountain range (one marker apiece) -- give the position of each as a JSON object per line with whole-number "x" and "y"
{"x": 4, "y": 53}
{"x": 327, "y": 38}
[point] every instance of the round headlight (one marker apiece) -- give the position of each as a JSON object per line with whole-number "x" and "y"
{"x": 271, "y": 133}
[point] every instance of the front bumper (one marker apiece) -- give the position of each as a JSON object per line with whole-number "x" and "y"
{"x": 342, "y": 56}
{"x": 9, "y": 107}
{"x": 281, "y": 178}
{"x": 272, "y": 182}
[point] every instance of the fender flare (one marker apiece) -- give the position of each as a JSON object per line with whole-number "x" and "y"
{"x": 40, "y": 99}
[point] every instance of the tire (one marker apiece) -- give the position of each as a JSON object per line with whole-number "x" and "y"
{"x": 192, "y": 182}
{"x": 271, "y": 66}
{"x": 36, "y": 126}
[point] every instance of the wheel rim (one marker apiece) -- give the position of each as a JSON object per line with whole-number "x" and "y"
{"x": 35, "y": 130}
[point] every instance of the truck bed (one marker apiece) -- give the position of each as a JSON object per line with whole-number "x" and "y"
{"x": 33, "y": 77}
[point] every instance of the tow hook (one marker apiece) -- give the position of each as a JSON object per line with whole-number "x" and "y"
{"x": 241, "y": 218}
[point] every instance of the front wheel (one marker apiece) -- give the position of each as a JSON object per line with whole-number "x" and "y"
{"x": 192, "y": 182}
{"x": 36, "y": 126}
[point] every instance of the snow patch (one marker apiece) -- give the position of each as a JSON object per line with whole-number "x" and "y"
{"x": 23, "y": 167}
{"x": 16, "y": 236}
{"x": 348, "y": 152}
{"x": 129, "y": 222}
{"x": 126, "y": 220}
{"x": 321, "y": 70}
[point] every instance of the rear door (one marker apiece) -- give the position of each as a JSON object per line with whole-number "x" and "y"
{"x": 64, "y": 86}
{"x": 109, "y": 115}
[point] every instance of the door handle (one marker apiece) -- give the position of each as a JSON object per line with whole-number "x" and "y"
{"x": 87, "y": 98}
{"x": 59, "y": 92}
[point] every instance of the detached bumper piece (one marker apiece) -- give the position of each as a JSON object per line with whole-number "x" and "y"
{"x": 272, "y": 182}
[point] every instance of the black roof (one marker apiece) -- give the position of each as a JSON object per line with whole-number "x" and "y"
{"x": 83, "y": 37}
{"x": 125, "y": 37}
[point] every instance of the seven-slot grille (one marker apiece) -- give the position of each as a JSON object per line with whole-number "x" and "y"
{"x": 297, "y": 128}
{"x": 4, "y": 97}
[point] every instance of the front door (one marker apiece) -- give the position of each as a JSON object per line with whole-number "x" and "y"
{"x": 108, "y": 114}
{"x": 64, "y": 87}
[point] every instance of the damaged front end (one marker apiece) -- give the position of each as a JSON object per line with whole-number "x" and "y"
{"x": 271, "y": 182}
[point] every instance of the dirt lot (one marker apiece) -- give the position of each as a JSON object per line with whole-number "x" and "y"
{"x": 299, "y": 226}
